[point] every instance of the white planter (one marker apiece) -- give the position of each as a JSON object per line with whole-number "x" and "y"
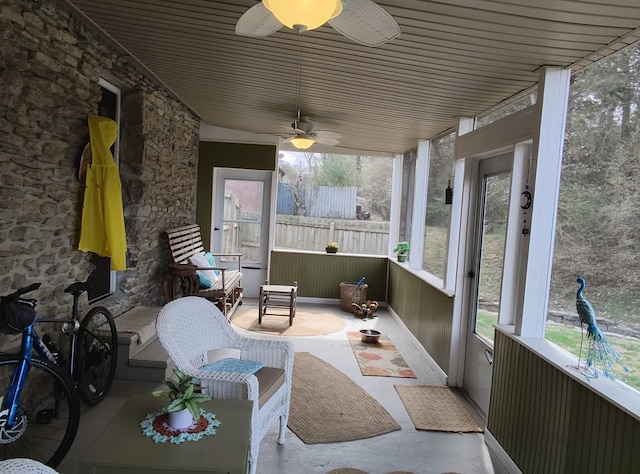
{"x": 180, "y": 420}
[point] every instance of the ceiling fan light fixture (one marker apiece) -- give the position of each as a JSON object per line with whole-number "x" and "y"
{"x": 304, "y": 15}
{"x": 302, "y": 143}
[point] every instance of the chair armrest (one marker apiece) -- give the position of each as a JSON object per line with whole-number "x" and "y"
{"x": 235, "y": 255}
{"x": 226, "y": 384}
{"x": 278, "y": 354}
{"x": 222, "y": 269}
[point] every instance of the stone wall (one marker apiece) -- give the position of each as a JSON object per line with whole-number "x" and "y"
{"x": 50, "y": 66}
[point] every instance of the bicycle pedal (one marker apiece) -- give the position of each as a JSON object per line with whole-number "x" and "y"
{"x": 44, "y": 417}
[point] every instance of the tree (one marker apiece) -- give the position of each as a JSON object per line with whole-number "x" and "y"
{"x": 341, "y": 171}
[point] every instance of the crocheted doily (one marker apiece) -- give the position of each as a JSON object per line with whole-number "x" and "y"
{"x": 155, "y": 426}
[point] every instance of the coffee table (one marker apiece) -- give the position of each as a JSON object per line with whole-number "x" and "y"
{"x": 122, "y": 447}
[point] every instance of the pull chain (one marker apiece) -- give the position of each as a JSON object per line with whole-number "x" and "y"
{"x": 299, "y": 84}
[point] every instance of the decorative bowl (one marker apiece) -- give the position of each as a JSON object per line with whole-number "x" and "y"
{"x": 370, "y": 335}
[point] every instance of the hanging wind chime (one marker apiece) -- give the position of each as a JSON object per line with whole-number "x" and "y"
{"x": 525, "y": 203}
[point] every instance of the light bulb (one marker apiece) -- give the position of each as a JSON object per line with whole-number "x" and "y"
{"x": 302, "y": 143}
{"x": 304, "y": 15}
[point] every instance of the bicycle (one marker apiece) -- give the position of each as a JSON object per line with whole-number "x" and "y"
{"x": 40, "y": 393}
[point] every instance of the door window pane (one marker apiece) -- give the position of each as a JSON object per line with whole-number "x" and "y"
{"x": 242, "y": 218}
{"x": 491, "y": 250}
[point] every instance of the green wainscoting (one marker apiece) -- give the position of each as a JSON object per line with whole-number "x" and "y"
{"x": 319, "y": 274}
{"x": 426, "y": 311}
{"x": 548, "y": 422}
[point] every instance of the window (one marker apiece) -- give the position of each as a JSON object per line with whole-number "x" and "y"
{"x": 408, "y": 183}
{"x": 102, "y": 278}
{"x": 506, "y": 110}
{"x": 436, "y": 230}
{"x": 598, "y": 230}
{"x": 324, "y": 198}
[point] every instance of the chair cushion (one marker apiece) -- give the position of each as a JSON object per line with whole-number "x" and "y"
{"x": 231, "y": 280}
{"x": 270, "y": 380}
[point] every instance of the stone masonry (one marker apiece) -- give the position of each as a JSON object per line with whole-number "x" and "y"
{"x": 50, "y": 65}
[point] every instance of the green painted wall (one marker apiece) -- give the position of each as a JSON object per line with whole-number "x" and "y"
{"x": 319, "y": 274}
{"x": 225, "y": 155}
{"x": 424, "y": 310}
{"x": 427, "y": 312}
{"x": 549, "y": 422}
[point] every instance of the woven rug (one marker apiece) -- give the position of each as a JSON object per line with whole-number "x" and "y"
{"x": 381, "y": 359}
{"x": 436, "y": 408}
{"x": 350, "y": 470}
{"x": 328, "y": 407}
{"x": 305, "y": 323}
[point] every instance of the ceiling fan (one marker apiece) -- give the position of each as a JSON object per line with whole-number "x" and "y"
{"x": 362, "y": 21}
{"x": 303, "y": 135}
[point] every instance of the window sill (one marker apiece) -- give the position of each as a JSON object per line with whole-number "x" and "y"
{"x": 617, "y": 393}
{"x": 323, "y": 252}
{"x": 432, "y": 280}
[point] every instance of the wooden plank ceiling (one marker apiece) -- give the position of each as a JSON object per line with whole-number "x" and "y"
{"x": 453, "y": 58}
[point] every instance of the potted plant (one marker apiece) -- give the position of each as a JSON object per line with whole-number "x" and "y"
{"x": 185, "y": 397}
{"x": 332, "y": 247}
{"x": 402, "y": 249}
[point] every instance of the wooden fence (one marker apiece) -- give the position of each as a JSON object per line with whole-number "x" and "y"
{"x": 313, "y": 233}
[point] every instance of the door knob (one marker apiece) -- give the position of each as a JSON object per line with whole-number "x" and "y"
{"x": 489, "y": 357}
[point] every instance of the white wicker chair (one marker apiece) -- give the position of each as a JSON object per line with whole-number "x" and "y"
{"x": 24, "y": 466}
{"x": 189, "y": 327}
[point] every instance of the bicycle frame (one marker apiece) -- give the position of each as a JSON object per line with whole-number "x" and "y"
{"x": 70, "y": 327}
{"x": 19, "y": 376}
{"x": 31, "y": 341}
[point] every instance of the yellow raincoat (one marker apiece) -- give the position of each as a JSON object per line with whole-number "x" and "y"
{"x": 102, "y": 228}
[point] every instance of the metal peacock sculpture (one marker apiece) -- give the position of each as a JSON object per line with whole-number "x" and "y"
{"x": 601, "y": 356}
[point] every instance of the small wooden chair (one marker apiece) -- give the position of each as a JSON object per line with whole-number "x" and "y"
{"x": 278, "y": 296}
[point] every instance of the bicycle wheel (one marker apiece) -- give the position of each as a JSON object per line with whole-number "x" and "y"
{"x": 48, "y": 413}
{"x": 96, "y": 355}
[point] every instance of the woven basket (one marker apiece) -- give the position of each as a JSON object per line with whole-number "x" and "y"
{"x": 350, "y": 292}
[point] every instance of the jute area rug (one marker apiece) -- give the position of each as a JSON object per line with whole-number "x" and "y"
{"x": 350, "y": 470}
{"x": 305, "y": 323}
{"x": 328, "y": 407}
{"x": 436, "y": 408}
{"x": 381, "y": 358}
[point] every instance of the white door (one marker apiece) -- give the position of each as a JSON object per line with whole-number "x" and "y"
{"x": 241, "y": 207}
{"x": 488, "y": 231}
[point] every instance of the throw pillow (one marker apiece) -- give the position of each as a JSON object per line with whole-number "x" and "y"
{"x": 231, "y": 364}
{"x": 200, "y": 261}
{"x": 204, "y": 283}
{"x": 212, "y": 262}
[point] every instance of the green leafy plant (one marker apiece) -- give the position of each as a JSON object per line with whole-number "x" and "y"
{"x": 401, "y": 248}
{"x": 183, "y": 394}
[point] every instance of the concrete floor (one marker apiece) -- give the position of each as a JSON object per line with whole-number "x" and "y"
{"x": 419, "y": 452}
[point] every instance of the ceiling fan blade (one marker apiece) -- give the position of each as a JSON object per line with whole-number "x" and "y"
{"x": 257, "y": 21}
{"x": 322, "y": 134}
{"x": 327, "y": 141}
{"x": 365, "y": 22}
